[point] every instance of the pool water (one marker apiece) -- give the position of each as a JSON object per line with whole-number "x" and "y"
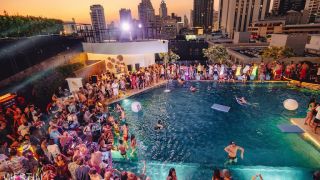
{"x": 197, "y": 134}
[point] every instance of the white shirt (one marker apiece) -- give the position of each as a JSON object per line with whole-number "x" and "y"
{"x": 53, "y": 150}
{"x": 115, "y": 86}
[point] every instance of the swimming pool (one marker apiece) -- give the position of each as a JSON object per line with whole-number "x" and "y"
{"x": 196, "y": 134}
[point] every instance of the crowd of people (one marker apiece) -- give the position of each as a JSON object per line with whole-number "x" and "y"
{"x": 76, "y": 135}
{"x": 74, "y": 138}
{"x": 261, "y": 71}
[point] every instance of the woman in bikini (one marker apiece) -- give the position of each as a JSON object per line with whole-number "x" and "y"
{"x": 310, "y": 110}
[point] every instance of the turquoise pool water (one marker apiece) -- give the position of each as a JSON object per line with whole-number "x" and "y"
{"x": 195, "y": 135}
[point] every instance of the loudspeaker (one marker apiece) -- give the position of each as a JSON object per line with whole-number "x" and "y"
{"x": 94, "y": 79}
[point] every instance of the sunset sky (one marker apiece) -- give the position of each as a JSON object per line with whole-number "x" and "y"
{"x": 79, "y": 9}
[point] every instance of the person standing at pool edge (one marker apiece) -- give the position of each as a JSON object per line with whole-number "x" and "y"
{"x": 172, "y": 174}
{"x": 232, "y": 150}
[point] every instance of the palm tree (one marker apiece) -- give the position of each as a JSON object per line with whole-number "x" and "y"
{"x": 277, "y": 53}
{"x": 169, "y": 57}
{"x": 216, "y": 54}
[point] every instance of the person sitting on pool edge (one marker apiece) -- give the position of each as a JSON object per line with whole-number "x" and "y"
{"x": 232, "y": 150}
{"x": 159, "y": 125}
{"x": 193, "y": 89}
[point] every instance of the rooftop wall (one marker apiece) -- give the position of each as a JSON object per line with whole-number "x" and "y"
{"x": 127, "y": 48}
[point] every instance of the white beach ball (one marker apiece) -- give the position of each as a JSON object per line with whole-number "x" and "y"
{"x": 136, "y": 107}
{"x": 291, "y": 104}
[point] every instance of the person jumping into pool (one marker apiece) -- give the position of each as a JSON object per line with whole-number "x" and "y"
{"x": 232, "y": 150}
{"x": 193, "y": 89}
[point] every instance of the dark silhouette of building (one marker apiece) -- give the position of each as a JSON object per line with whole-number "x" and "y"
{"x": 281, "y": 7}
{"x": 189, "y": 51}
{"x": 203, "y": 14}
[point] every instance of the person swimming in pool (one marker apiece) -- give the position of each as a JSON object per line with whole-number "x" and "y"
{"x": 181, "y": 81}
{"x": 241, "y": 101}
{"x": 232, "y": 150}
{"x": 193, "y": 89}
{"x": 159, "y": 125}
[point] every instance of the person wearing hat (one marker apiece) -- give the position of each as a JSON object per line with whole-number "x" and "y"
{"x": 232, "y": 150}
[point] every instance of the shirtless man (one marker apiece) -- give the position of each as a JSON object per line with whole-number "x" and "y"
{"x": 243, "y": 100}
{"x": 232, "y": 150}
{"x": 193, "y": 89}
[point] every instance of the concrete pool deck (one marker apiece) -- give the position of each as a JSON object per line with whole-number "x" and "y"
{"x": 308, "y": 131}
{"x": 312, "y": 86}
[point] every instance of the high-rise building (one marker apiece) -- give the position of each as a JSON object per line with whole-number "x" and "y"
{"x": 177, "y": 18}
{"x": 163, "y": 10}
{"x": 147, "y": 19}
{"x": 186, "y": 21}
{"x": 203, "y": 14}
{"x": 215, "y": 20}
{"x": 125, "y": 16}
{"x": 191, "y": 18}
{"x": 180, "y": 26}
{"x": 146, "y": 13}
{"x": 281, "y": 7}
{"x": 169, "y": 28}
{"x": 98, "y": 22}
{"x": 312, "y": 11}
{"x": 237, "y": 15}
{"x": 275, "y": 7}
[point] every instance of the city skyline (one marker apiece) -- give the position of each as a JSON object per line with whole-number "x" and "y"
{"x": 79, "y": 9}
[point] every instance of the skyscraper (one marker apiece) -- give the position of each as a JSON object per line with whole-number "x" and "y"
{"x": 98, "y": 22}
{"x": 125, "y": 16}
{"x": 146, "y": 13}
{"x": 191, "y": 18}
{"x": 312, "y": 9}
{"x": 186, "y": 21}
{"x": 203, "y": 14}
{"x": 281, "y": 7}
{"x": 237, "y": 15}
{"x": 275, "y": 7}
{"x": 163, "y": 10}
{"x": 215, "y": 20}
